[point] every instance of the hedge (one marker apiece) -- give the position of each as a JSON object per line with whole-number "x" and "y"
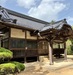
{"x": 5, "y": 54}
{"x": 7, "y": 68}
{"x": 11, "y": 68}
{"x": 19, "y": 66}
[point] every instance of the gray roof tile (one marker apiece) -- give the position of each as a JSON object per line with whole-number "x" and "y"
{"x": 33, "y": 23}
{"x": 56, "y": 25}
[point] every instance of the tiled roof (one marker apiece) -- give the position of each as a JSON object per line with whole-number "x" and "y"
{"x": 56, "y": 25}
{"x": 30, "y": 22}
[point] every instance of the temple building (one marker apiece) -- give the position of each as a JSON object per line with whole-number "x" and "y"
{"x": 28, "y": 37}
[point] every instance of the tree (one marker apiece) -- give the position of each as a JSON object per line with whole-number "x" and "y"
{"x": 52, "y": 22}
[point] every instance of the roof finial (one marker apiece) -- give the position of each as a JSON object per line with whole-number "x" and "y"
{"x": 64, "y": 19}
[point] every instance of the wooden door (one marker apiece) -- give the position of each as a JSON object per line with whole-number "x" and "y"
{"x": 42, "y": 47}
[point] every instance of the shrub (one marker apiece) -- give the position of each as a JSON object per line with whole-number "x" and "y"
{"x": 7, "y": 68}
{"x": 11, "y": 68}
{"x": 5, "y": 50}
{"x": 5, "y": 54}
{"x": 19, "y": 66}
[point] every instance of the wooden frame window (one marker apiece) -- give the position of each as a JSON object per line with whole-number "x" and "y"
{"x": 31, "y": 44}
{"x": 17, "y": 43}
{"x": 5, "y": 43}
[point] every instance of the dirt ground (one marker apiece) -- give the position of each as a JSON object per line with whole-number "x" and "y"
{"x": 36, "y": 69}
{"x": 63, "y": 71}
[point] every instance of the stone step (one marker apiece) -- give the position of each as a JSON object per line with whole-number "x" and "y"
{"x": 43, "y": 58}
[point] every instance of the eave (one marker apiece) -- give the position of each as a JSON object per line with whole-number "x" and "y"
{"x": 12, "y": 25}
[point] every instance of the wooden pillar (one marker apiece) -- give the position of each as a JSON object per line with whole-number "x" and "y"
{"x": 25, "y": 46}
{"x": 58, "y": 48}
{"x": 9, "y": 38}
{"x": 65, "y": 51}
{"x": 37, "y": 49}
{"x": 51, "y": 53}
{"x": 25, "y": 59}
{"x": 59, "y": 45}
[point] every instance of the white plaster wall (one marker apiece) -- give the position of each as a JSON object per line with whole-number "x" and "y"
{"x": 17, "y": 33}
{"x": 29, "y": 36}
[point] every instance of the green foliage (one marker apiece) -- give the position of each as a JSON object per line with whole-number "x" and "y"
{"x": 11, "y": 68}
{"x": 7, "y": 68}
{"x": 70, "y": 47}
{"x": 52, "y": 22}
{"x": 19, "y": 66}
{"x": 69, "y": 51}
{"x": 5, "y": 50}
{"x": 5, "y": 54}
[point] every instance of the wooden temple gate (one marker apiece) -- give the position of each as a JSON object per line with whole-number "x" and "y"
{"x": 56, "y": 33}
{"x": 45, "y": 48}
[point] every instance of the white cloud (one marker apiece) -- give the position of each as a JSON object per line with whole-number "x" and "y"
{"x": 43, "y": 9}
{"x": 26, "y": 3}
{"x": 2, "y": 2}
{"x": 47, "y": 9}
{"x": 70, "y": 20}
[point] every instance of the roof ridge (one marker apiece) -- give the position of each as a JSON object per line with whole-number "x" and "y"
{"x": 25, "y": 16}
{"x": 63, "y": 20}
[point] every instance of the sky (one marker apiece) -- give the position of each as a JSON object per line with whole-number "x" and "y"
{"x": 46, "y": 10}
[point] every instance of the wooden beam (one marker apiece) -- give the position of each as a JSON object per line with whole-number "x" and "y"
{"x": 4, "y": 29}
{"x": 7, "y": 24}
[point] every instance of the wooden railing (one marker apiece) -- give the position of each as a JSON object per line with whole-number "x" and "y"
{"x": 24, "y": 53}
